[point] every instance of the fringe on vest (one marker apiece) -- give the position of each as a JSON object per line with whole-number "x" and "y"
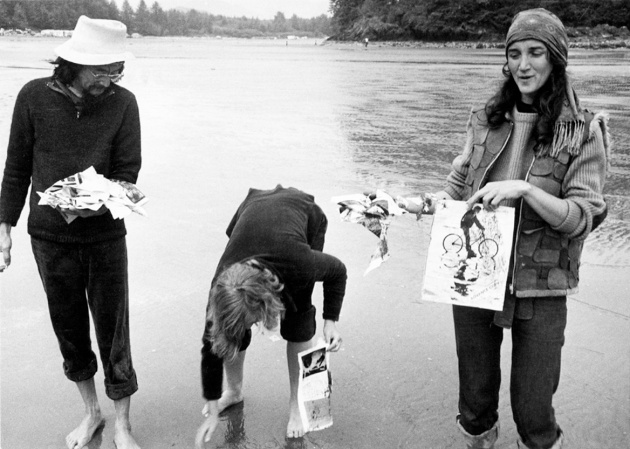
{"x": 568, "y": 132}
{"x": 567, "y": 135}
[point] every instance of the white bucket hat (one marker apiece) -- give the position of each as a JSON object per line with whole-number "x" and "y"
{"x": 95, "y": 42}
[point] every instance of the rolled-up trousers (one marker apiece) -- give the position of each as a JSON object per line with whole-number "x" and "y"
{"x": 83, "y": 278}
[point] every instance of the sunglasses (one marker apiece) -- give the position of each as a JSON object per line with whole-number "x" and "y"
{"x": 113, "y": 77}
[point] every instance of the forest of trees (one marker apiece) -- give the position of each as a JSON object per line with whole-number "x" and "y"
{"x": 351, "y": 19}
{"x": 461, "y": 19}
{"x": 152, "y": 20}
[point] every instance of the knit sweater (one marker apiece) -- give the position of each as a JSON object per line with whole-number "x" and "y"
{"x": 51, "y": 139}
{"x": 509, "y": 164}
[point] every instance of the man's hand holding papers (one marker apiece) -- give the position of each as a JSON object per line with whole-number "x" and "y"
{"x": 88, "y": 193}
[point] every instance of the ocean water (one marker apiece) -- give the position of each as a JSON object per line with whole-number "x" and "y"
{"x": 392, "y": 117}
{"x": 330, "y": 115}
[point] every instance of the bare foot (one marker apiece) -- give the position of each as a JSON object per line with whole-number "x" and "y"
{"x": 84, "y": 432}
{"x": 295, "y": 429}
{"x": 123, "y": 438}
{"x": 229, "y": 398}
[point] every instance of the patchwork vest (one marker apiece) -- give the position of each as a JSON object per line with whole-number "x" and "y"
{"x": 545, "y": 262}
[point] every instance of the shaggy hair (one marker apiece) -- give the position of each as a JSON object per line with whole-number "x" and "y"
{"x": 244, "y": 293}
{"x": 548, "y": 102}
{"x": 67, "y": 72}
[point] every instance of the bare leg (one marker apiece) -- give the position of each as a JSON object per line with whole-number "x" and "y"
{"x": 295, "y": 428}
{"x": 233, "y": 393}
{"x": 122, "y": 430}
{"x": 82, "y": 435}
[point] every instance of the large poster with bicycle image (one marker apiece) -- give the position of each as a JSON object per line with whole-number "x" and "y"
{"x": 469, "y": 255}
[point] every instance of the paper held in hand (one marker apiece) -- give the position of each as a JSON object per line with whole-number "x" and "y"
{"x": 90, "y": 190}
{"x": 314, "y": 387}
{"x": 372, "y": 213}
{"x": 469, "y": 255}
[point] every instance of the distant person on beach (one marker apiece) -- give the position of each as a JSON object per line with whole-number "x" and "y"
{"x": 62, "y": 125}
{"x": 266, "y": 275}
{"x": 532, "y": 147}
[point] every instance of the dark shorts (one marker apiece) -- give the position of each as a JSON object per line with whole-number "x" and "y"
{"x": 296, "y": 327}
{"x": 300, "y": 326}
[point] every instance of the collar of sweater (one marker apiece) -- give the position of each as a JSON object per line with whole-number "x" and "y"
{"x": 79, "y": 102}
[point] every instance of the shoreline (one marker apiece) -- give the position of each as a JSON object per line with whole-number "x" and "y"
{"x": 586, "y": 44}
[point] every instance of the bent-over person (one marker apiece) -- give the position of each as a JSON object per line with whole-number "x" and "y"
{"x": 266, "y": 275}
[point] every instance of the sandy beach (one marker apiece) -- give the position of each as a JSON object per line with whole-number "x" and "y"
{"x": 219, "y": 118}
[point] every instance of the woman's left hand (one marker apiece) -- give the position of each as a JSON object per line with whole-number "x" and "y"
{"x": 332, "y": 336}
{"x": 494, "y": 192}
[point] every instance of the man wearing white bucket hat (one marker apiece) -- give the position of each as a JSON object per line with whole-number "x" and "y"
{"x": 64, "y": 124}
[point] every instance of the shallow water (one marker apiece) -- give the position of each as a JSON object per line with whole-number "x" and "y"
{"x": 389, "y": 117}
{"x": 220, "y": 116}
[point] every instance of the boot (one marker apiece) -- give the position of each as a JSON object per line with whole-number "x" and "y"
{"x": 556, "y": 445}
{"x": 484, "y": 441}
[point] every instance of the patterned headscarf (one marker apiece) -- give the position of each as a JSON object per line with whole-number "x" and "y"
{"x": 544, "y": 26}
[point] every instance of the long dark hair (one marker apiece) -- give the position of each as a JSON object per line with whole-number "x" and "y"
{"x": 66, "y": 71}
{"x": 548, "y": 102}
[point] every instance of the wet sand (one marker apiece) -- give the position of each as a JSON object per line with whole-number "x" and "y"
{"x": 395, "y": 378}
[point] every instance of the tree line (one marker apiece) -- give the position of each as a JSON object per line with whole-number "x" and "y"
{"x": 151, "y": 21}
{"x": 461, "y": 19}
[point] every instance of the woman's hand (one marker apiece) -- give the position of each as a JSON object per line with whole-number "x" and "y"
{"x": 207, "y": 428}
{"x": 418, "y": 205}
{"x": 550, "y": 208}
{"x": 332, "y": 336}
{"x": 411, "y": 205}
{"x": 494, "y": 192}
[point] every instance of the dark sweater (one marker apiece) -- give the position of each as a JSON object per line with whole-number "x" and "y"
{"x": 284, "y": 230}
{"x": 50, "y": 141}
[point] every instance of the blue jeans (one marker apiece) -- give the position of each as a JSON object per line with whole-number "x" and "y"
{"x": 536, "y": 355}
{"x": 82, "y": 277}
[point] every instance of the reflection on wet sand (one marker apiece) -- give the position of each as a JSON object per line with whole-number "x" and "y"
{"x": 235, "y": 436}
{"x": 234, "y": 418}
{"x": 97, "y": 438}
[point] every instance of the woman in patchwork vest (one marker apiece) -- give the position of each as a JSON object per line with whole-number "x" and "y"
{"x": 532, "y": 147}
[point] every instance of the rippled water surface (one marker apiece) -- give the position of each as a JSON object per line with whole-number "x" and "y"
{"x": 392, "y": 116}
{"x": 389, "y": 117}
